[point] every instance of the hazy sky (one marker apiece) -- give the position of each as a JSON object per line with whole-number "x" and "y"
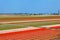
{"x": 29, "y": 6}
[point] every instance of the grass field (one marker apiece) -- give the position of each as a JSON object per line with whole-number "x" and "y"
{"x": 28, "y": 24}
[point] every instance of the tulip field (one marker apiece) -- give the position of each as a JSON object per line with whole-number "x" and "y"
{"x": 40, "y": 28}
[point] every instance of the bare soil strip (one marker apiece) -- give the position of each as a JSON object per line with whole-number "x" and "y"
{"x": 28, "y": 18}
{"x": 32, "y": 21}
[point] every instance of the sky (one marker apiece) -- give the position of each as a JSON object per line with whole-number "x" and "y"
{"x": 29, "y": 6}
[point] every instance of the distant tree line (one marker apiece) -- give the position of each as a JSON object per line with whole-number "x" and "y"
{"x": 29, "y": 13}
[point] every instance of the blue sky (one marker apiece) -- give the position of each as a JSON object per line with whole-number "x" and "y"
{"x": 29, "y": 6}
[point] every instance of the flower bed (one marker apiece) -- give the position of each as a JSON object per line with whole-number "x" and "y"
{"x": 37, "y": 34}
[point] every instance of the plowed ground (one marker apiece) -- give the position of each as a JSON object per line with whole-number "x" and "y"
{"x": 28, "y": 18}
